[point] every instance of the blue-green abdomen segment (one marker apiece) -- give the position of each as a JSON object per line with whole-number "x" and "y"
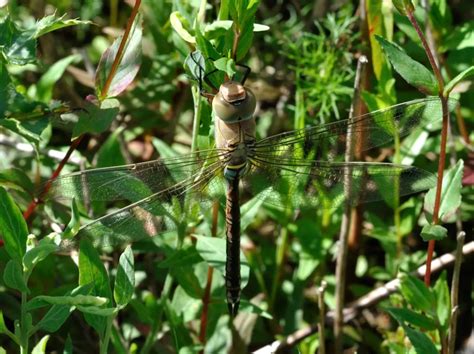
{"x": 232, "y": 268}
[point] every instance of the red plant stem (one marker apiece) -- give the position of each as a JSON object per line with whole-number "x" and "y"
{"x": 444, "y": 136}
{"x": 35, "y": 202}
{"x": 120, "y": 50}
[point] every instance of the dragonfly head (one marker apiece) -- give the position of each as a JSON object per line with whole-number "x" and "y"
{"x": 234, "y": 102}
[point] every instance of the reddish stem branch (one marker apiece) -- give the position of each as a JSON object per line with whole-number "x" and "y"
{"x": 121, "y": 49}
{"x": 444, "y": 138}
{"x": 35, "y": 202}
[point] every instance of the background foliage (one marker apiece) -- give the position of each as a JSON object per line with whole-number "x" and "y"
{"x": 303, "y": 69}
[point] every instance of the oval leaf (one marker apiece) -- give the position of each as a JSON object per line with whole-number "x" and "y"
{"x": 125, "y": 279}
{"x": 13, "y": 228}
{"x": 128, "y": 65}
{"x": 413, "y": 72}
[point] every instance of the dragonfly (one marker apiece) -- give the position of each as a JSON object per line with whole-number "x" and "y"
{"x": 294, "y": 169}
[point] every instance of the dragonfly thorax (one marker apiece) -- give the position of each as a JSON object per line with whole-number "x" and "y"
{"x": 234, "y": 102}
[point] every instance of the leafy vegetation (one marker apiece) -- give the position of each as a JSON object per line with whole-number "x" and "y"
{"x": 88, "y": 84}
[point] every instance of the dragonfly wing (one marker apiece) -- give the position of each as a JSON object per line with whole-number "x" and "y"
{"x": 293, "y": 184}
{"x": 160, "y": 212}
{"x": 132, "y": 182}
{"x": 370, "y": 130}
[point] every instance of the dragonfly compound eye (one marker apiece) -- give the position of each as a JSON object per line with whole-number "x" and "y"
{"x": 234, "y": 103}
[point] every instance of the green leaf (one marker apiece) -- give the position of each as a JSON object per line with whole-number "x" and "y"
{"x": 57, "y": 314}
{"x": 403, "y": 6}
{"x": 54, "y": 318}
{"x": 98, "y": 311}
{"x": 213, "y": 251}
{"x": 96, "y": 119}
{"x": 433, "y": 232}
{"x": 128, "y": 66}
{"x": 250, "y": 209}
{"x": 460, "y": 77}
{"x": 450, "y": 194}
{"x": 226, "y": 65}
{"x": 110, "y": 153}
{"x": 16, "y": 46}
{"x": 52, "y": 23}
{"x": 92, "y": 271}
{"x": 416, "y": 293}
{"x": 36, "y": 254}
{"x": 74, "y": 224}
{"x": 413, "y": 72}
{"x": 68, "y": 345}
{"x": 404, "y": 315}
{"x": 3, "y": 326}
{"x": 13, "y": 276}
{"x": 443, "y": 302}
{"x": 420, "y": 341}
{"x": 179, "y": 24}
{"x": 16, "y": 178}
{"x": 125, "y": 278}
{"x": 45, "y": 85}
{"x": 12, "y": 227}
{"x": 71, "y": 300}
{"x": 40, "y": 348}
{"x": 17, "y": 127}
{"x": 186, "y": 256}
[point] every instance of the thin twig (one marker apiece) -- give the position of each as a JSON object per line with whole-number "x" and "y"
{"x": 455, "y": 292}
{"x": 322, "y": 317}
{"x": 342, "y": 254}
{"x": 368, "y": 300}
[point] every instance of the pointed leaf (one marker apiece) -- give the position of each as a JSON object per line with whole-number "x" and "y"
{"x": 40, "y": 348}
{"x": 178, "y": 22}
{"x": 416, "y": 293}
{"x": 469, "y": 72}
{"x": 52, "y": 23}
{"x": 96, "y": 119}
{"x": 450, "y": 194}
{"x": 13, "y": 276}
{"x": 433, "y": 232}
{"x": 128, "y": 66}
{"x": 415, "y": 73}
{"x": 16, "y": 46}
{"x": 13, "y": 227}
{"x": 213, "y": 251}
{"x": 420, "y": 341}
{"x": 45, "y": 85}
{"x": 404, "y": 315}
{"x": 125, "y": 278}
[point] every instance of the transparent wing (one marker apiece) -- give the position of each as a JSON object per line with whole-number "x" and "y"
{"x": 163, "y": 192}
{"x": 132, "y": 182}
{"x": 304, "y": 168}
{"x": 326, "y": 185}
{"x": 328, "y": 142}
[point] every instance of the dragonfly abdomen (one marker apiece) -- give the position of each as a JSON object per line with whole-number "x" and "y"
{"x": 232, "y": 269}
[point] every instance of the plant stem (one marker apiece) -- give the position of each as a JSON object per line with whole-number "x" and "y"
{"x": 455, "y": 293}
{"x": 342, "y": 255}
{"x": 105, "y": 342}
{"x": 197, "y": 118}
{"x": 23, "y": 325}
{"x": 444, "y": 136}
